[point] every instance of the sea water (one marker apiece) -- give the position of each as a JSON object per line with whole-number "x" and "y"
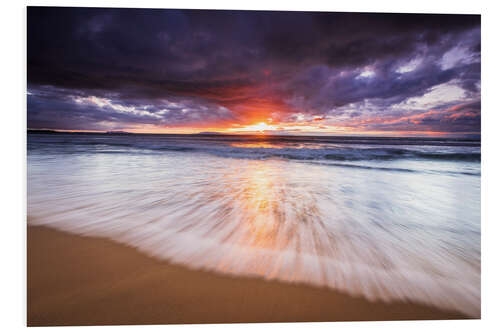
{"x": 383, "y": 218}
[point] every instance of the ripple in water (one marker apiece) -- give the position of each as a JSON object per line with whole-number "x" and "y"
{"x": 380, "y": 234}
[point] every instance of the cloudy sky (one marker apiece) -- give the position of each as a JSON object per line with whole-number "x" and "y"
{"x": 186, "y": 71}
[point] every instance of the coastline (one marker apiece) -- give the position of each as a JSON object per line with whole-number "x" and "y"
{"x": 76, "y": 280}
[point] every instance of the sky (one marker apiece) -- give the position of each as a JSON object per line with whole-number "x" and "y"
{"x": 253, "y": 72}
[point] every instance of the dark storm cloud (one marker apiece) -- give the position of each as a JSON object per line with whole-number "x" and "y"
{"x": 237, "y": 62}
{"x": 67, "y": 110}
{"x": 460, "y": 118}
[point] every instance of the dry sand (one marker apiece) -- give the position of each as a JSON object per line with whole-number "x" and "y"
{"x": 74, "y": 280}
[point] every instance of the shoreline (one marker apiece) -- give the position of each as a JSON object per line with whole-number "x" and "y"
{"x": 77, "y": 280}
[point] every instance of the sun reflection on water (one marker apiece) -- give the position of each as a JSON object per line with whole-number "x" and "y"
{"x": 359, "y": 232}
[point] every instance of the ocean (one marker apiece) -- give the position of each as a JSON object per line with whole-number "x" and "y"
{"x": 381, "y": 218}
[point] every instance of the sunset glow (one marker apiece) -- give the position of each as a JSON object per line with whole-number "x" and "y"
{"x": 260, "y": 127}
{"x": 340, "y": 73}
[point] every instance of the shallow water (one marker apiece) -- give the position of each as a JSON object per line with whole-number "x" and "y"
{"x": 388, "y": 219}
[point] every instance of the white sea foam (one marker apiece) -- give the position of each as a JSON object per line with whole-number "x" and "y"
{"x": 374, "y": 232}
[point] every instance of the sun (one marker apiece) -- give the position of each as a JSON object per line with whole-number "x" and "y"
{"x": 259, "y": 127}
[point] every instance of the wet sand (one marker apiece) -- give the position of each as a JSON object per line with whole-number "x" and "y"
{"x": 74, "y": 280}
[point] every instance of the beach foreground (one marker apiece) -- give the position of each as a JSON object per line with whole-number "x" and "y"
{"x": 75, "y": 280}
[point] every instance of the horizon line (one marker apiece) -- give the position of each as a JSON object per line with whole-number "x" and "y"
{"x": 441, "y": 135}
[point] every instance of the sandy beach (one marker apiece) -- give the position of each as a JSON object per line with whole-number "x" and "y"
{"x": 74, "y": 280}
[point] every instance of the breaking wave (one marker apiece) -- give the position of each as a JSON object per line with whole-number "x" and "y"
{"x": 367, "y": 229}
{"x": 280, "y": 147}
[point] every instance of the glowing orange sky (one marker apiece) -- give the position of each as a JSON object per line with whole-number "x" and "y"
{"x": 253, "y": 72}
